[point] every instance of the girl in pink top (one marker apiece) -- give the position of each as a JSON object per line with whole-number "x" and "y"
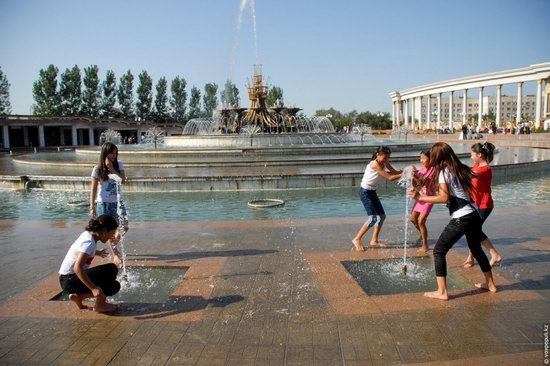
{"x": 421, "y": 210}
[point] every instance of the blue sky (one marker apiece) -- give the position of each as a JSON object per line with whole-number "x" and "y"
{"x": 342, "y": 54}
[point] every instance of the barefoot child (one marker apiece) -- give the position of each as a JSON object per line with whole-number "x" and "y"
{"x": 80, "y": 281}
{"x": 421, "y": 210}
{"x": 375, "y": 173}
{"x": 454, "y": 180}
{"x": 482, "y": 155}
{"x": 103, "y": 195}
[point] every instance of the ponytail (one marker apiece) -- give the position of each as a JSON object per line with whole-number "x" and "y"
{"x": 486, "y": 149}
{"x": 102, "y": 223}
{"x": 381, "y": 150}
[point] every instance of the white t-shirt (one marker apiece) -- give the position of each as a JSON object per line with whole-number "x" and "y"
{"x": 106, "y": 188}
{"x": 371, "y": 179}
{"x": 84, "y": 244}
{"x": 455, "y": 189}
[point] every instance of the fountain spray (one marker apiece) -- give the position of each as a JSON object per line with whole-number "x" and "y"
{"x": 406, "y": 181}
{"x": 122, "y": 219}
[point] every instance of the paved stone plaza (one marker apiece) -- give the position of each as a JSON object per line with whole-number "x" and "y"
{"x": 274, "y": 293}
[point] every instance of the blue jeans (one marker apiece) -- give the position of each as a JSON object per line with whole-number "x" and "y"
{"x": 373, "y": 206}
{"x": 108, "y": 208}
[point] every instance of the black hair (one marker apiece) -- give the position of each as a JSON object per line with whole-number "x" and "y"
{"x": 426, "y": 152}
{"x": 486, "y": 149}
{"x": 106, "y": 149}
{"x": 381, "y": 150}
{"x": 102, "y": 223}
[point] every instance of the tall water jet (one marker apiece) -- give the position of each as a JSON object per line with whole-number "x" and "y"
{"x": 242, "y": 7}
{"x": 406, "y": 182}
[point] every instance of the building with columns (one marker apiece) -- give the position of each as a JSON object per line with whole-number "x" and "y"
{"x": 428, "y": 106}
{"x": 44, "y": 131}
{"x": 508, "y": 108}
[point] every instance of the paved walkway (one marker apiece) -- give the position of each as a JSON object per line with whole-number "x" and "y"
{"x": 275, "y": 293}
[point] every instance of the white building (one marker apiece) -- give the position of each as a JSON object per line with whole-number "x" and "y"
{"x": 508, "y": 109}
{"x": 418, "y": 109}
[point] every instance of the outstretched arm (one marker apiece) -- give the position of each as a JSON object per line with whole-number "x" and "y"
{"x": 441, "y": 197}
{"x": 385, "y": 174}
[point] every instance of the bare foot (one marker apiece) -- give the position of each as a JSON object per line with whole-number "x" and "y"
{"x": 74, "y": 298}
{"x": 437, "y": 295}
{"x": 484, "y": 286}
{"x": 105, "y": 308}
{"x": 358, "y": 246}
{"x": 377, "y": 244}
{"x": 424, "y": 250}
{"x": 495, "y": 261}
{"x": 468, "y": 263}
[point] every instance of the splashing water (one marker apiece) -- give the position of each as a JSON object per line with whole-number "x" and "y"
{"x": 122, "y": 219}
{"x": 406, "y": 182}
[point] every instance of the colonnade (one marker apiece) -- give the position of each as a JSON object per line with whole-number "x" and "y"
{"x": 410, "y": 99}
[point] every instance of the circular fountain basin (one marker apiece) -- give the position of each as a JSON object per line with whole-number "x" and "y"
{"x": 236, "y": 168}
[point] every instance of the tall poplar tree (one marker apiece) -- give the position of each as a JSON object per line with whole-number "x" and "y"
{"x": 161, "y": 101}
{"x": 144, "y": 96}
{"x": 108, "y": 100}
{"x": 210, "y": 98}
{"x": 230, "y": 95}
{"x": 178, "y": 99}
{"x": 5, "y": 105}
{"x": 125, "y": 96}
{"x": 70, "y": 92}
{"x": 44, "y": 91}
{"x": 195, "y": 103}
{"x": 91, "y": 94}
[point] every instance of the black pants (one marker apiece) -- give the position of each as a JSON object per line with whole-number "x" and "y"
{"x": 469, "y": 225}
{"x": 484, "y": 213}
{"x": 103, "y": 276}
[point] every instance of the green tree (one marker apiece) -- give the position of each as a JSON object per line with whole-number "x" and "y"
{"x": 230, "y": 95}
{"x": 108, "y": 101}
{"x": 275, "y": 97}
{"x": 125, "y": 96}
{"x": 331, "y": 113}
{"x": 178, "y": 99}
{"x": 161, "y": 101}
{"x": 44, "y": 90}
{"x": 210, "y": 99}
{"x": 195, "y": 103}
{"x": 70, "y": 92}
{"x": 91, "y": 94}
{"x": 144, "y": 96}
{"x": 5, "y": 105}
{"x": 377, "y": 121}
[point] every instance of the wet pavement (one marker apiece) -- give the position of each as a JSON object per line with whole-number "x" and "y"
{"x": 275, "y": 292}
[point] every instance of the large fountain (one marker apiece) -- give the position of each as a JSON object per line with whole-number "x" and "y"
{"x": 271, "y": 126}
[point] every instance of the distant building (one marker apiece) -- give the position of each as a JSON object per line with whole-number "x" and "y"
{"x": 508, "y": 107}
{"x": 41, "y": 131}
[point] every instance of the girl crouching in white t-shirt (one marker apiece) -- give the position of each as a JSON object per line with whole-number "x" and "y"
{"x": 80, "y": 281}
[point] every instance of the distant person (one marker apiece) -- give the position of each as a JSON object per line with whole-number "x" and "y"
{"x": 424, "y": 183}
{"x": 464, "y": 132}
{"x": 103, "y": 194}
{"x": 469, "y": 132}
{"x": 375, "y": 173}
{"x": 80, "y": 281}
{"x": 454, "y": 180}
{"x": 482, "y": 155}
